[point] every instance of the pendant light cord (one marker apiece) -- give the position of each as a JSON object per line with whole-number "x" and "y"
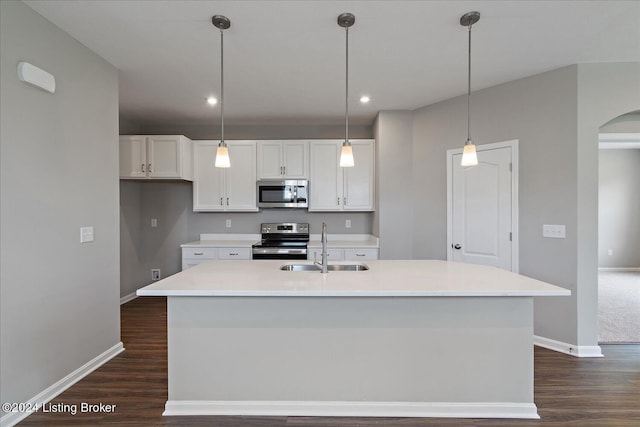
{"x": 222, "y": 87}
{"x": 346, "y": 98}
{"x": 469, "y": 91}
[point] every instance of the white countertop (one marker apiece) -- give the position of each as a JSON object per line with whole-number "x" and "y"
{"x": 408, "y": 278}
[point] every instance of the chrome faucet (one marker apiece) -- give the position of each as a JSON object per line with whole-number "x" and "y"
{"x": 324, "y": 249}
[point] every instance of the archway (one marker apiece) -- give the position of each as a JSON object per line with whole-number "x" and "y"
{"x": 619, "y": 230}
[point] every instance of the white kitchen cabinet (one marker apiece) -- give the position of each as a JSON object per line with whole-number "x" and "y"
{"x": 156, "y": 157}
{"x": 339, "y": 254}
{"x": 194, "y": 256}
{"x": 360, "y": 253}
{"x": 224, "y": 189}
{"x": 283, "y": 159}
{"x": 333, "y": 188}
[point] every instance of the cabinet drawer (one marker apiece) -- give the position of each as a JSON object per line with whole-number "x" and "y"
{"x": 206, "y": 253}
{"x": 353, "y": 254}
{"x": 234, "y": 253}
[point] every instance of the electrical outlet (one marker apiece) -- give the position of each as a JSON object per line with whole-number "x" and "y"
{"x": 228, "y": 223}
{"x": 154, "y": 222}
{"x": 347, "y": 223}
{"x": 155, "y": 274}
{"x": 86, "y": 234}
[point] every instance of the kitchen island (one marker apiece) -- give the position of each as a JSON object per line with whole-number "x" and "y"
{"x": 412, "y": 338}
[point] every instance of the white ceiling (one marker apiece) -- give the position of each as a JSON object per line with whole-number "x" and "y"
{"x": 284, "y": 60}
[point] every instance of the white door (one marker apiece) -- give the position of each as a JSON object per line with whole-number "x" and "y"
{"x": 270, "y": 160}
{"x": 240, "y": 179}
{"x": 208, "y": 180}
{"x": 325, "y": 176}
{"x": 358, "y": 180}
{"x": 163, "y": 156}
{"x": 133, "y": 156}
{"x": 483, "y": 207}
{"x": 295, "y": 156}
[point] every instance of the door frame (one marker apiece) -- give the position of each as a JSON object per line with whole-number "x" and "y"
{"x": 515, "y": 237}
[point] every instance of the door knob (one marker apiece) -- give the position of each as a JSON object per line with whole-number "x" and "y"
{"x": 456, "y": 246}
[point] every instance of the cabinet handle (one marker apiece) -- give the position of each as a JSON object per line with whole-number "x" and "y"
{"x": 284, "y": 168}
{"x": 359, "y": 254}
{"x": 149, "y": 168}
{"x": 233, "y": 254}
{"x": 142, "y": 167}
{"x": 198, "y": 253}
{"x": 227, "y": 201}
{"x": 221, "y": 201}
{"x": 338, "y": 201}
{"x": 344, "y": 201}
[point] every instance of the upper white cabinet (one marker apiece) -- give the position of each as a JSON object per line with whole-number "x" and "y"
{"x": 224, "y": 189}
{"x": 283, "y": 159}
{"x": 156, "y": 157}
{"x": 332, "y": 188}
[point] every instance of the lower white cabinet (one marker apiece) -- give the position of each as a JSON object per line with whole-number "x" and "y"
{"x": 336, "y": 254}
{"x": 194, "y": 256}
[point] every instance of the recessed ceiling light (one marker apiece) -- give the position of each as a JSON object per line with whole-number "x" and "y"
{"x": 212, "y": 101}
{"x": 364, "y": 99}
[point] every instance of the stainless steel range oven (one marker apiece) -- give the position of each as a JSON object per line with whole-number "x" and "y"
{"x": 287, "y": 240}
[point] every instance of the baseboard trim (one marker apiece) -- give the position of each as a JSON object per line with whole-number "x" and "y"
{"x": 125, "y": 299}
{"x": 570, "y": 349}
{"x": 352, "y": 409}
{"x": 12, "y": 418}
{"x": 619, "y": 269}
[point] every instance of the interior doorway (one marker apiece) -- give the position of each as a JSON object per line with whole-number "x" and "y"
{"x": 482, "y": 207}
{"x": 619, "y": 236}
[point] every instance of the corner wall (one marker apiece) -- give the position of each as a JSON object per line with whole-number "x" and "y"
{"x": 59, "y": 172}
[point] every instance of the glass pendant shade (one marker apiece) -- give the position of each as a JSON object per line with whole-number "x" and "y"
{"x": 222, "y": 157}
{"x": 469, "y": 156}
{"x": 346, "y": 156}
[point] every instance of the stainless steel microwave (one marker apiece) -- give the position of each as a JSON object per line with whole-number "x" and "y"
{"x": 283, "y": 193}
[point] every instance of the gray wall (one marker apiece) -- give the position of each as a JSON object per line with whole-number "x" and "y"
{"x": 171, "y": 203}
{"x": 59, "y": 157}
{"x": 619, "y": 209}
{"x": 556, "y": 117}
{"x": 605, "y": 91}
{"x": 393, "y": 218}
{"x": 626, "y": 123}
{"x": 539, "y": 111}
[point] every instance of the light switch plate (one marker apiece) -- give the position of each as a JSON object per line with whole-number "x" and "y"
{"x": 86, "y": 234}
{"x": 554, "y": 231}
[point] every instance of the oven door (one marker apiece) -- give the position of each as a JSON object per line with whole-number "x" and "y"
{"x": 282, "y": 194}
{"x": 279, "y": 253}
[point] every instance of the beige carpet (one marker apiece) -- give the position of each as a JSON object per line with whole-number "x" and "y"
{"x": 619, "y": 306}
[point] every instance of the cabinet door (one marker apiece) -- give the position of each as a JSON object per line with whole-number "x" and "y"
{"x": 240, "y": 180}
{"x": 325, "y": 176}
{"x": 364, "y": 253}
{"x": 295, "y": 159}
{"x": 207, "y": 179}
{"x": 164, "y": 156}
{"x": 359, "y": 180}
{"x": 133, "y": 157}
{"x": 270, "y": 164}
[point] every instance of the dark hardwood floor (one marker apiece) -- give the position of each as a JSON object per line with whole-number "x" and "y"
{"x": 568, "y": 391}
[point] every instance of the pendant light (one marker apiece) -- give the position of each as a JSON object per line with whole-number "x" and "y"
{"x": 222, "y": 153}
{"x": 346, "y": 20}
{"x": 469, "y": 156}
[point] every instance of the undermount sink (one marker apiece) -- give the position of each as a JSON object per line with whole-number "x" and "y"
{"x": 330, "y": 267}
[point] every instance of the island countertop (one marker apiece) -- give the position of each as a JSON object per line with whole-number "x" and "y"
{"x": 385, "y": 278}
